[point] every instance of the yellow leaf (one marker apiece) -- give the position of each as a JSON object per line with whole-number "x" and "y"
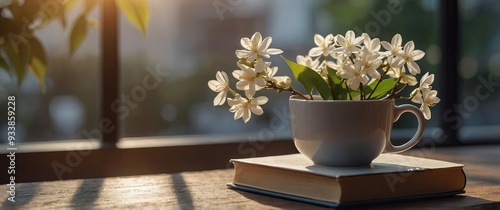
{"x": 70, "y": 4}
{"x": 137, "y": 12}
{"x": 38, "y": 62}
{"x": 78, "y": 33}
{"x": 90, "y": 4}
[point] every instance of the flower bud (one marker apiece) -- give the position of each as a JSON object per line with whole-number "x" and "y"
{"x": 414, "y": 92}
{"x": 282, "y": 82}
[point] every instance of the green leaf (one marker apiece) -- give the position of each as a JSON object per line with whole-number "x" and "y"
{"x": 310, "y": 79}
{"x": 382, "y": 89}
{"x": 38, "y": 62}
{"x": 18, "y": 53}
{"x": 137, "y": 12}
{"x": 339, "y": 92}
{"x": 78, "y": 33}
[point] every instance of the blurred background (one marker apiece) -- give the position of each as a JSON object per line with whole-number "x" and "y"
{"x": 191, "y": 40}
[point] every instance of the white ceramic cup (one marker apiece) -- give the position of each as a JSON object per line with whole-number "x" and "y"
{"x": 348, "y": 133}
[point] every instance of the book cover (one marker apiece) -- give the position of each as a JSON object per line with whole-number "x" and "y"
{"x": 389, "y": 177}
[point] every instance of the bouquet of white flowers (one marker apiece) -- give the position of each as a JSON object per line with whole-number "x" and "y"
{"x": 338, "y": 68}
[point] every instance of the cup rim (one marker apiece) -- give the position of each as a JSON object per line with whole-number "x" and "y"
{"x": 318, "y": 99}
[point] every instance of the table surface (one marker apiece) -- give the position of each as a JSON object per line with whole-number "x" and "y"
{"x": 207, "y": 190}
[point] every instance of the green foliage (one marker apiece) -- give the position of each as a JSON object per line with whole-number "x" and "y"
{"x": 339, "y": 93}
{"x": 381, "y": 90}
{"x": 20, "y": 48}
{"x": 38, "y": 61}
{"x": 17, "y": 54}
{"x": 335, "y": 88}
{"x": 310, "y": 79}
{"x": 78, "y": 33}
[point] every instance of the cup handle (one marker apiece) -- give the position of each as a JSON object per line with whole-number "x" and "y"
{"x": 398, "y": 110}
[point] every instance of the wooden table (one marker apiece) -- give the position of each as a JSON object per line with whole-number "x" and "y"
{"x": 207, "y": 190}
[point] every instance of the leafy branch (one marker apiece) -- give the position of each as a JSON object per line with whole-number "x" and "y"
{"x": 22, "y": 51}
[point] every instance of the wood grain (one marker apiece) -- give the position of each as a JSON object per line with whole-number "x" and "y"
{"x": 207, "y": 190}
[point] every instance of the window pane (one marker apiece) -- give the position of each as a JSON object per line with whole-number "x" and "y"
{"x": 193, "y": 40}
{"x": 69, "y": 107}
{"x": 479, "y": 70}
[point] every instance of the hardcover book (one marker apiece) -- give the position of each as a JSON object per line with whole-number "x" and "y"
{"x": 389, "y": 177}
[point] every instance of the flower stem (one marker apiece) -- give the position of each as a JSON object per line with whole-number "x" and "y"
{"x": 233, "y": 92}
{"x": 348, "y": 90}
{"x": 330, "y": 83}
{"x": 401, "y": 90}
{"x": 294, "y": 92}
{"x": 290, "y": 89}
{"x": 361, "y": 91}
{"x": 393, "y": 91}
{"x": 379, "y": 81}
{"x": 395, "y": 94}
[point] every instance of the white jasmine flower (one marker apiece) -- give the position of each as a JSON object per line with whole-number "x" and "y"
{"x": 394, "y": 47}
{"x": 427, "y": 98}
{"x": 370, "y": 62}
{"x": 283, "y": 82}
{"x": 340, "y": 62}
{"x": 373, "y": 45}
{"x": 410, "y": 55}
{"x": 349, "y": 43}
{"x": 250, "y": 80}
{"x": 324, "y": 45}
{"x": 243, "y": 108}
{"x": 426, "y": 80}
{"x": 395, "y": 62}
{"x": 221, "y": 86}
{"x": 322, "y": 70}
{"x": 256, "y": 47}
{"x": 308, "y": 61}
{"x": 354, "y": 74}
{"x": 270, "y": 72}
{"x": 408, "y": 79}
{"x": 260, "y": 65}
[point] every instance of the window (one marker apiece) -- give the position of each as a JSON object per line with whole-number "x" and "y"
{"x": 202, "y": 41}
{"x": 479, "y": 71}
{"x": 71, "y": 101}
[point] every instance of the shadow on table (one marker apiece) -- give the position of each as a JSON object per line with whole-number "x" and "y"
{"x": 24, "y": 194}
{"x": 182, "y": 192}
{"x": 88, "y": 192}
{"x": 450, "y": 202}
